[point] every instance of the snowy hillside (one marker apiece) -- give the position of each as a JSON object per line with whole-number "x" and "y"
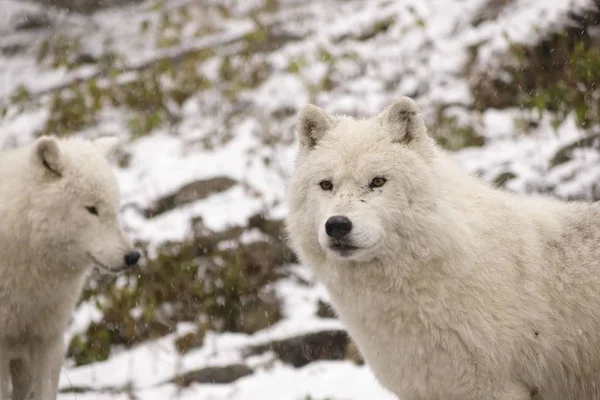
{"x": 205, "y": 95}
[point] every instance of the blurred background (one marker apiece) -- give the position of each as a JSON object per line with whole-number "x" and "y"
{"x": 205, "y": 95}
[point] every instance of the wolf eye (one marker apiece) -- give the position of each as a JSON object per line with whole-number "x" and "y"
{"x": 92, "y": 210}
{"x": 377, "y": 182}
{"x": 326, "y": 185}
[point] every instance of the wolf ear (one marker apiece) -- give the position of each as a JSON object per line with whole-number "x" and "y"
{"x": 106, "y": 145}
{"x": 404, "y": 119}
{"x": 314, "y": 122}
{"x": 46, "y": 154}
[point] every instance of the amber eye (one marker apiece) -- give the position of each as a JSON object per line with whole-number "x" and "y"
{"x": 326, "y": 185}
{"x": 377, "y": 182}
{"x": 92, "y": 210}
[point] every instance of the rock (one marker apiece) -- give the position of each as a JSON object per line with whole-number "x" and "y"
{"x": 189, "y": 193}
{"x": 258, "y": 315}
{"x": 490, "y": 11}
{"x": 89, "y": 389}
{"x": 301, "y": 350}
{"x": 189, "y": 341}
{"x": 260, "y": 261}
{"x": 85, "y": 58}
{"x": 504, "y": 177}
{"x": 220, "y": 375}
{"x": 85, "y": 6}
{"x": 273, "y": 228}
{"x": 13, "y": 49}
{"x": 276, "y": 230}
{"x": 28, "y": 21}
{"x": 324, "y": 310}
{"x": 565, "y": 153}
{"x": 353, "y": 354}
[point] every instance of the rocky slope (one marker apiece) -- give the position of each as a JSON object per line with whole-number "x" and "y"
{"x": 205, "y": 96}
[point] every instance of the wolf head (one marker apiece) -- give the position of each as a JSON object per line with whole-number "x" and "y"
{"x": 74, "y": 204}
{"x": 362, "y": 189}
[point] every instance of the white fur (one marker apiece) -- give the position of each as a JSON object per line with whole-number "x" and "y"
{"x": 48, "y": 241}
{"x": 457, "y": 290}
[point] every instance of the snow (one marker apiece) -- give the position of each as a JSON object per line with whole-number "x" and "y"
{"x": 320, "y": 380}
{"x": 146, "y": 367}
{"x": 423, "y": 55}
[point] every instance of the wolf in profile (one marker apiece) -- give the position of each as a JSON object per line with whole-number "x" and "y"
{"x": 59, "y": 203}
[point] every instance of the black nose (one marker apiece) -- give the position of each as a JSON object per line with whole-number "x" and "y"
{"x": 338, "y": 226}
{"x": 132, "y": 258}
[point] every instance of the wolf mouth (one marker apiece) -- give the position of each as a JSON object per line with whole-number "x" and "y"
{"x": 104, "y": 267}
{"x": 343, "y": 247}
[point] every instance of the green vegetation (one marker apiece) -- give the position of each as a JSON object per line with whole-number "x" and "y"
{"x": 59, "y": 51}
{"x": 149, "y": 96}
{"x": 557, "y": 76}
{"x": 241, "y": 73}
{"x": 576, "y": 92}
{"x": 152, "y": 98}
{"x": 453, "y": 135}
{"x": 213, "y": 281}
{"x": 379, "y": 27}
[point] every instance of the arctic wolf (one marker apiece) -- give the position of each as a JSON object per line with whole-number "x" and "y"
{"x": 452, "y": 289}
{"x": 58, "y": 219}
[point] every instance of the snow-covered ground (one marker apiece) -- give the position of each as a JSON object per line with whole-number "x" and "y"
{"x": 422, "y": 53}
{"x": 150, "y": 364}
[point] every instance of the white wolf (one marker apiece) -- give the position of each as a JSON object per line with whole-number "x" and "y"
{"x": 58, "y": 218}
{"x": 452, "y": 289}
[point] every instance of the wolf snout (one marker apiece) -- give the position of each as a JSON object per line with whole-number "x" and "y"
{"x": 132, "y": 258}
{"x": 338, "y": 226}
